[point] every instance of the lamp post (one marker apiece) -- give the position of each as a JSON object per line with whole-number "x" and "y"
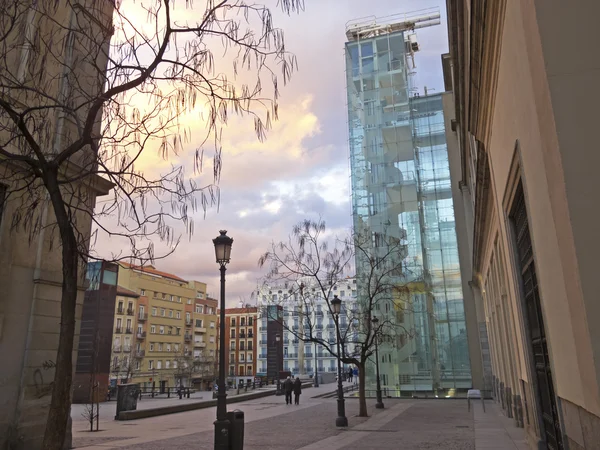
{"x": 277, "y": 340}
{"x": 342, "y": 420}
{"x": 223, "y": 245}
{"x": 379, "y": 404}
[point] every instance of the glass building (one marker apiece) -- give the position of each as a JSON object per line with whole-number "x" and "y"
{"x": 401, "y": 194}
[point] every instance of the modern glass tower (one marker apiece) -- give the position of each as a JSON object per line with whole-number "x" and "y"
{"x": 401, "y": 193}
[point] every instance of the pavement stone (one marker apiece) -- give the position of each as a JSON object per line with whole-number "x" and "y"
{"x": 406, "y": 424}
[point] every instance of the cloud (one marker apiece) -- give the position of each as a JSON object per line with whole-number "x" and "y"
{"x": 301, "y": 170}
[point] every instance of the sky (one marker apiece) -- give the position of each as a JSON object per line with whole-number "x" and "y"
{"x": 301, "y": 171}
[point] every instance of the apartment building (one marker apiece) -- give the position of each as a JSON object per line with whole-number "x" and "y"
{"x": 124, "y": 339}
{"x": 240, "y": 344}
{"x": 522, "y": 128}
{"x": 163, "y": 356}
{"x": 292, "y": 319}
{"x": 205, "y": 339}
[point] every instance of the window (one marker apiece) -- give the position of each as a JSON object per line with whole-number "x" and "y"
{"x": 249, "y": 345}
{"x": 233, "y": 321}
{"x": 162, "y": 312}
{"x": 249, "y": 370}
{"x": 167, "y": 364}
{"x": 175, "y": 364}
{"x": 176, "y": 346}
{"x": 189, "y": 301}
{"x": 164, "y": 296}
{"x": 342, "y": 293}
{"x": 137, "y": 365}
{"x": 242, "y": 345}
{"x": 212, "y": 324}
{"x": 250, "y": 321}
{"x": 119, "y": 323}
{"x": 242, "y": 322}
{"x": 249, "y": 358}
{"x": 142, "y": 291}
{"x": 198, "y": 323}
{"x": 172, "y": 298}
{"x": 168, "y": 347}
{"x": 160, "y": 346}
{"x": 188, "y": 317}
{"x": 159, "y": 364}
{"x": 152, "y": 329}
{"x": 171, "y": 313}
{"x": 178, "y": 331}
{"x": 140, "y": 329}
{"x": 150, "y": 364}
{"x": 170, "y": 330}
{"x": 151, "y": 346}
{"x": 211, "y": 339}
{"x": 161, "y": 329}
{"x": 200, "y": 309}
{"x": 154, "y": 311}
{"x": 232, "y": 333}
{"x": 241, "y": 357}
{"x": 178, "y": 315}
{"x": 128, "y": 324}
{"x": 209, "y": 310}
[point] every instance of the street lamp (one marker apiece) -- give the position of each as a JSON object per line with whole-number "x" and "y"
{"x": 277, "y": 340}
{"x": 379, "y": 404}
{"x": 223, "y": 245}
{"x": 342, "y": 420}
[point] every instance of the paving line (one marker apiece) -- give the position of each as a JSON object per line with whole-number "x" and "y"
{"x": 359, "y": 431}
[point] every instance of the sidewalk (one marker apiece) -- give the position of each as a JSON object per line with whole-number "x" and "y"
{"x": 495, "y": 431}
{"x": 270, "y": 424}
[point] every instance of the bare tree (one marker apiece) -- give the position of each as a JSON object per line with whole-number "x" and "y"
{"x": 78, "y": 112}
{"x": 203, "y": 366}
{"x": 310, "y": 256}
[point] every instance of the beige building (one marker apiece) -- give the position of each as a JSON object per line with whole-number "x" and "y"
{"x": 125, "y": 351}
{"x": 204, "y": 319}
{"x": 524, "y": 76}
{"x": 167, "y": 343}
{"x": 30, "y": 262}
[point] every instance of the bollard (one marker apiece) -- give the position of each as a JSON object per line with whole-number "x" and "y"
{"x": 236, "y": 429}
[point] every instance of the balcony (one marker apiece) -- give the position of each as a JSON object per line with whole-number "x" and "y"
{"x": 262, "y": 356}
{"x": 308, "y": 355}
{"x": 263, "y": 342}
{"x": 119, "y": 310}
{"x": 127, "y": 348}
{"x": 319, "y": 326}
{"x": 232, "y": 349}
{"x": 250, "y": 335}
{"x": 330, "y": 326}
{"x": 128, "y": 331}
{"x": 116, "y": 349}
{"x": 130, "y": 312}
{"x": 141, "y": 336}
{"x": 188, "y": 323}
{"x": 200, "y": 330}
{"x": 242, "y": 336}
{"x": 142, "y": 317}
{"x": 140, "y": 353}
{"x": 291, "y": 355}
{"x": 200, "y": 344}
{"x": 188, "y": 338}
{"x": 319, "y": 313}
{"x": 118, "y": 330}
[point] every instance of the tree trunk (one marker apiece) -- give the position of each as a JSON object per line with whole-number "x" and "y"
{"x": 60, "y": 405}
{"x": 362, "y": 401}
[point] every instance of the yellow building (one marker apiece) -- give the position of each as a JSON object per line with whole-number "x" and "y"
{"x": 205, "y": 339}
{"x": 122, "y": 358}
{"x": 163, "y": 341}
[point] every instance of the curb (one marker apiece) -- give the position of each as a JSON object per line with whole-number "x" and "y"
{"x": 164, "y": 410}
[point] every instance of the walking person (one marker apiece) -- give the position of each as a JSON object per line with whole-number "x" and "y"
{"x": 288, "y": 387}
{"x": 350, "y": 372}
{"x": 297, "y": 391}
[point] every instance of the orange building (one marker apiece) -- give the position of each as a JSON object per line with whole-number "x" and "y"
{"x": 241, "y": 344}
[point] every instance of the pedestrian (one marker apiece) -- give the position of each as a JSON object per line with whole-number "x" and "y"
{"x": 350, "y": 372}
{"x": 288, "y": 387}
{"x": 297, "y": 391}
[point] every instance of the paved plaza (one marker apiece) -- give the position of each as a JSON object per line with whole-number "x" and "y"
{"x": 270, "y": 424}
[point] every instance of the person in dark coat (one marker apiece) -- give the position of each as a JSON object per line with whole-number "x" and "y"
{"x": 288, "y": 387}
{"x": 297, "y": 391}
{"x": 350, "y": 374}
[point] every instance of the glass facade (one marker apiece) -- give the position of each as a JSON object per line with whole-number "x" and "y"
{"x": 401, "y": 193}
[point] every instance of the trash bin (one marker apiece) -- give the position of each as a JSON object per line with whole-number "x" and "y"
{"x": 236, "y": 429}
